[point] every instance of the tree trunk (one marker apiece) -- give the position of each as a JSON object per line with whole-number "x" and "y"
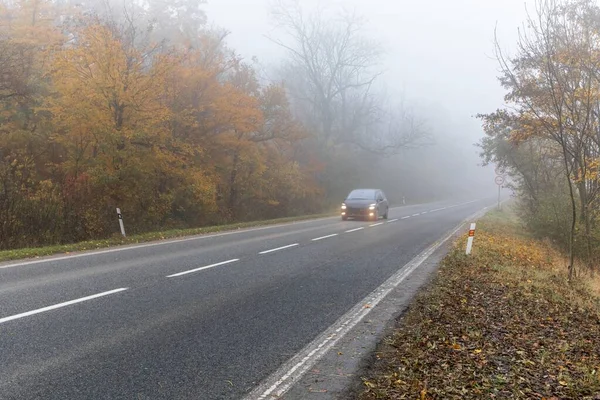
{"x": 573, "y": 213}
{"x": 232, "y": 201}
{"x": 585, "y": 218}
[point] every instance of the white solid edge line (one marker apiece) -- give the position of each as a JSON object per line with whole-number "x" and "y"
{"x": 202, "y": 268}
{"x": 279, "y": 248}
{"x": 287, "y": 375}
{"x": 354, "y": 230}
{"x": 324, "y": 237}
{"x": 407, "y": 217}
{"x": 60, "y": 305}
{"x": 393, "y": 220}
{"x": 377, "y": 224}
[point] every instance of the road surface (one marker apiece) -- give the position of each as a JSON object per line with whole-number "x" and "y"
{"x": 201, "y": 318}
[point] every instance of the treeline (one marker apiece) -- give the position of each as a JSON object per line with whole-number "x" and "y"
{"x": 97, "y": 114}
{"x": 143, "y": 107}
{"x": 548, "y": 136}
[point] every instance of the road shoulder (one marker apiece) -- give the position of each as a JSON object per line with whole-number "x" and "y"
{"x": 337, "y": 374}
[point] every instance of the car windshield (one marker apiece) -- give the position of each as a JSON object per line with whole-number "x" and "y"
{"x": 362, "y": 194}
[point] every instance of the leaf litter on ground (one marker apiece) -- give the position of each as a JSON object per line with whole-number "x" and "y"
{"x": 503, "y": 323}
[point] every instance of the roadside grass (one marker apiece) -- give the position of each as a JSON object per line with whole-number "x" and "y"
{"x": 503, "y": 323}
{"x": 25, "y": 253}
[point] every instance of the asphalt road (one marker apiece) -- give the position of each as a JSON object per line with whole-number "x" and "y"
{"x": 135, "y": 323}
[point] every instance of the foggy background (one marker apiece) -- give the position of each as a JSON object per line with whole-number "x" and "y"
{"x": 282, "y": 116}
{"x": 438, "y": 58}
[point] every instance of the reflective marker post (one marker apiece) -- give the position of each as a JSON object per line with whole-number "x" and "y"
{"x": 121, "y": 222}
{"x": 470, "y": 239}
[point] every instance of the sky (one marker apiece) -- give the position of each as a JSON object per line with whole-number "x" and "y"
{"x": 436, "y": 51}
{"x": 439, "y": 54}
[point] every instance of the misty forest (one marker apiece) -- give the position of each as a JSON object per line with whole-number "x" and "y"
{"x": 145, "y": 107}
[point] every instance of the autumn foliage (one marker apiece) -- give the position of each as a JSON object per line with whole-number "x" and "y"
{"x": 97, "y": 114}
{"x": 546, "y": 138}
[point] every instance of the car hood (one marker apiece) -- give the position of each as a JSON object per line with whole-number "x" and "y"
{"x": 359, "y": 203}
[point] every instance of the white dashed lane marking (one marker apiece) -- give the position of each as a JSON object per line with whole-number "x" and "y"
{"x": 203, "y": 268}
{"x": 324, "y": 237}
{"x": 279, "y": 248}
{"x": 60, "y": 305}
{"x": 355, "y": 230}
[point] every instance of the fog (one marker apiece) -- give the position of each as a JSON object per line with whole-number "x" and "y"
{"x": 146, "y": 105}
{"x": 438, "y": 56}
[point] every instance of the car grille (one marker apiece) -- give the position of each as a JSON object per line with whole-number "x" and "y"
{"x": 357, "y": 211}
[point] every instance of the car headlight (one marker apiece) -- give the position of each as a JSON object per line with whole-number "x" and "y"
{"x": 343, "y": 206}
{"x": 372, "y": 206}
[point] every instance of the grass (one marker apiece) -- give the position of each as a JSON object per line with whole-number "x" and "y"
{"x": 18, "y": 254}
{"x": 503, "y": 323}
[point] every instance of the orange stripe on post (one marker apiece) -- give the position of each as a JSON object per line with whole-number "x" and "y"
{"x": 472, "y": 232}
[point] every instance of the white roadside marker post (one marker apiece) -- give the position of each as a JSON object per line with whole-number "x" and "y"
{"x": 470, "y": 239}
{"x": 121, "y": 221}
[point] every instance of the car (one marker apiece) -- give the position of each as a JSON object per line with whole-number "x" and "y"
{"x": 365, "y": 203}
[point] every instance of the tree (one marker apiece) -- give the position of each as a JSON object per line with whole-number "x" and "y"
{"x": 332, "y": 73}
{"x": 553, "y": 90}
{"x": 28, "y": 35}
{"x": 112, "y": 113}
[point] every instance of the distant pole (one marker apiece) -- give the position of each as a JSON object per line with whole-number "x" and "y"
{"x": 499, "y": 187}
{"x": 121, "y": 221}
{"x": 470, "y": 239}
{"x": 499, "y": 180}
